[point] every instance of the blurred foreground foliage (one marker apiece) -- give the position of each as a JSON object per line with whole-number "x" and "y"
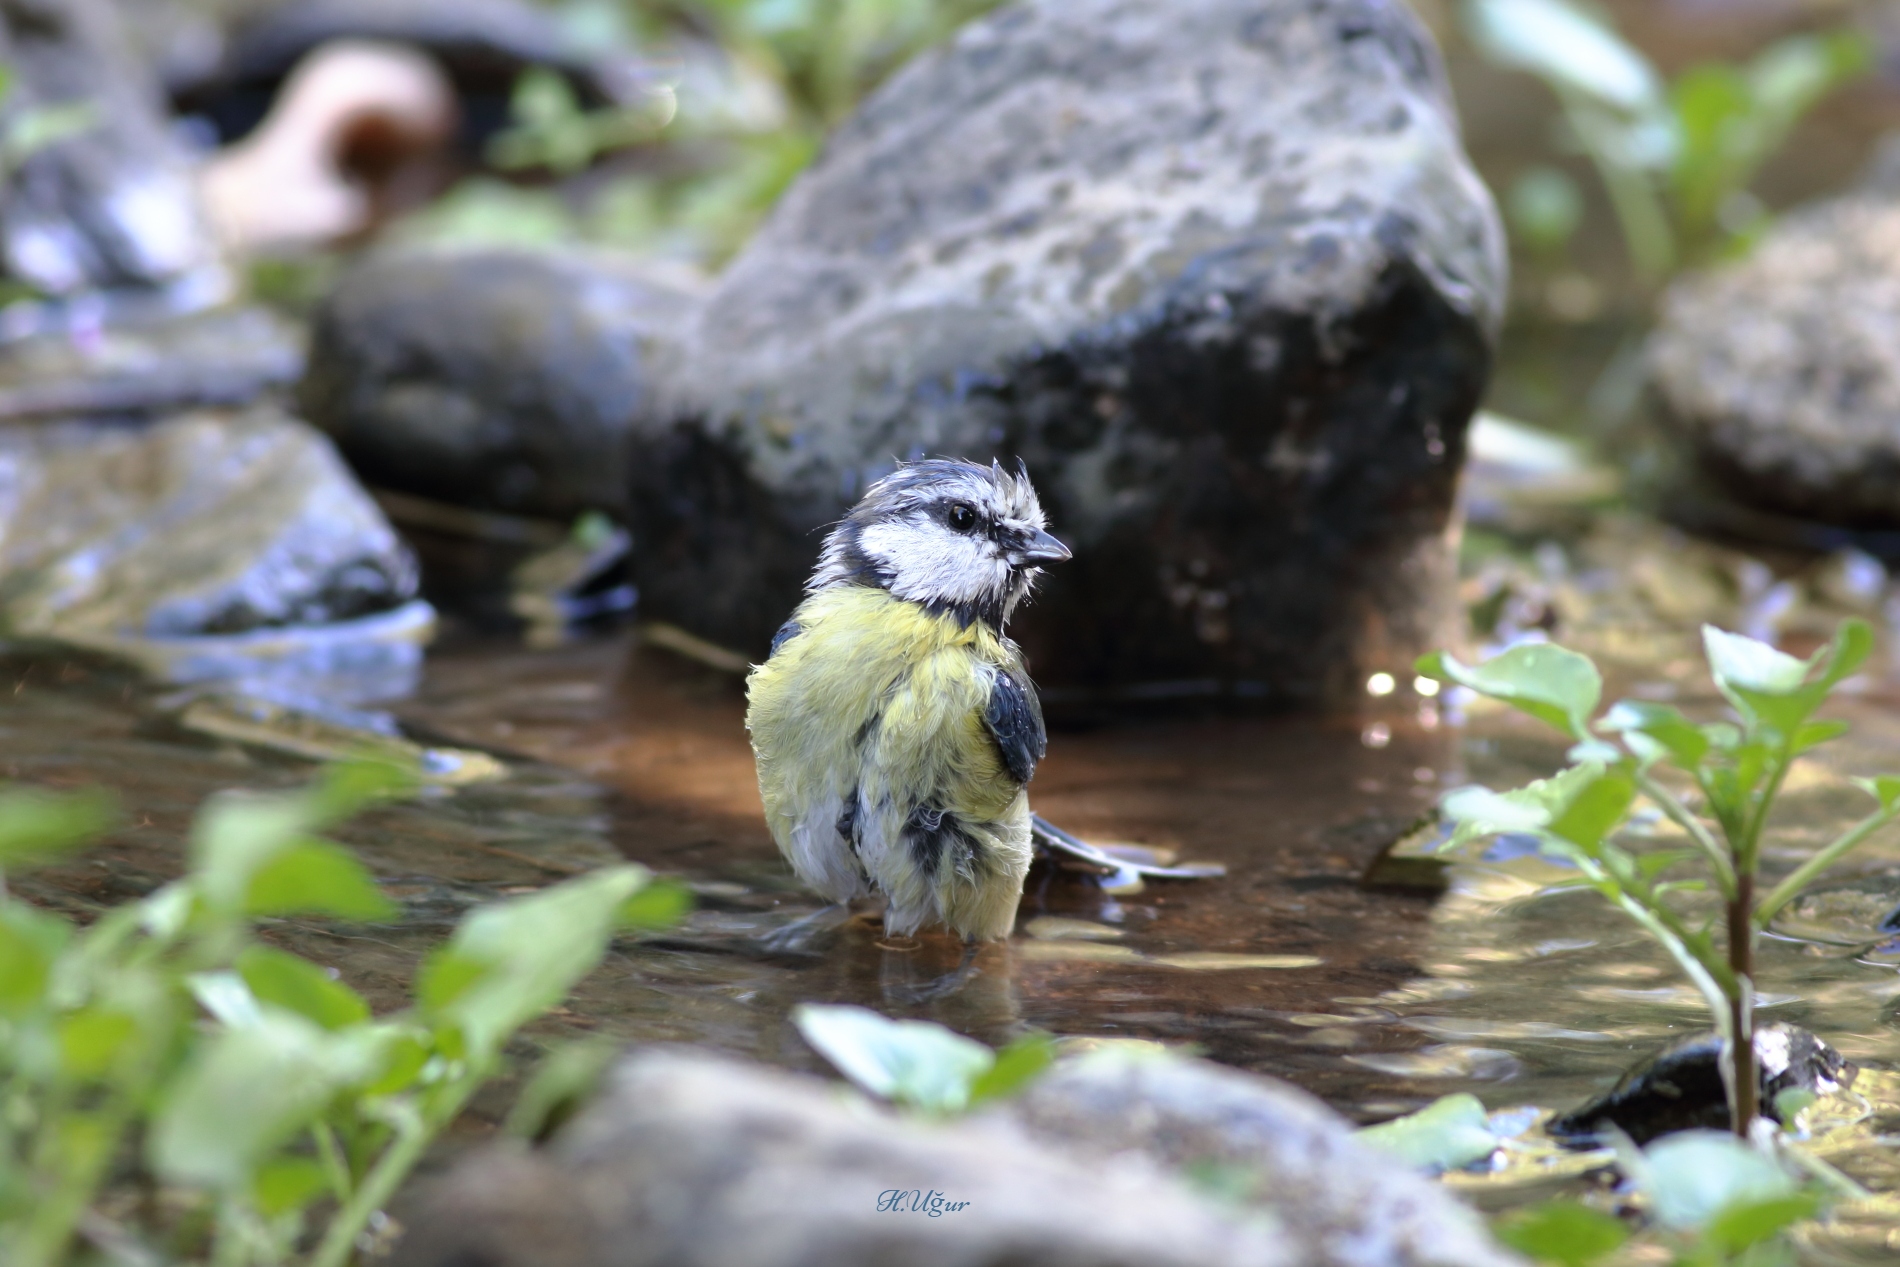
{"x": 175, "y": 1089}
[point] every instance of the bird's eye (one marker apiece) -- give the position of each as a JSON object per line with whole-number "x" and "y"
{"x": 962, "y": 516}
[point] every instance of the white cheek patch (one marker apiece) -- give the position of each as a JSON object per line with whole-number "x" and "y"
{"x": 928, "y": 562}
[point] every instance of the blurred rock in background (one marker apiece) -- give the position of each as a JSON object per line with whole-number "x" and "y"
{"x": 203, "y": 545}
{"x": 1782, "y": 371}
{"x": 97, "y": 195}
{"x": 501, "y": 380}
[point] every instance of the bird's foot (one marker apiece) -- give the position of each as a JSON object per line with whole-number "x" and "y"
{"x": 942, "y": 986}
{"x": 805, "y": 935}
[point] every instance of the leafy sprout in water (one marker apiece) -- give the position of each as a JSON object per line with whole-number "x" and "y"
{"x": 1713, "y": 1197}
{"x": 1716, "y": 781}
{"x": 252, "y": 1076}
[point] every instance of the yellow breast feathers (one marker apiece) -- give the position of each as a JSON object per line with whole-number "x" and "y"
{"x": 893, "y": 746}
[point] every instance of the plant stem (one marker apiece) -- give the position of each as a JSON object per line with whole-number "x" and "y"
{"x": 1790, "y": 888}
{"x": 380, "y": 1184}
{"x": 1744, "y": 1090}
{"x": 1678, "y": 813}
{"x": 330, "y": 1155}
{"x": 1633, "y": 197}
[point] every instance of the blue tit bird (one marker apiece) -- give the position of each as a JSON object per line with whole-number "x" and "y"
{"x": 894, "y": 725}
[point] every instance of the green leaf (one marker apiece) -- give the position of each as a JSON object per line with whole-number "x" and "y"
{"x": 37, "y": 825}
{"x": 1692, "y": 1176}
{"x": 314, "y": 877}
{"x": 1568, "y": 1233}
{"x": 1884, "y": 788}
{"x": 1569, "y": 47}
{"x": 660, "y": 905}
{"x": 445, "y": 977}
{"x": 565, "y": 1077}
{"x": 225, "y": 996}
{"x": 534, "y": 950}
{"x": 1555, "y": 685}
{"x": 247, "y": 1090}
{"x": 1788, "y": 77}
{"x": 405, "y": 1055}
{"x": 1017, "y": 1065}
{"x": 916, "y": 1063}
{"x": 1790, "y": 1102}
{"x": 1651, "y": 865}
{"x": 1777, "y": 690}
{"x": 1596, "y": 810}
{"x": 297, "y": 985}
{"x": 91, "y": 1040}
{"x": 1446, "y": 1134}
{"x": 236, "y": 833}
{"x": 1667, "y": 731}
{"x": 288, "y": 1183}
{"x": 1571, "y": 799}
{"x": 30, "y": 943}
{"x": 1815, "y": 733}
{"x": 1743, "y": 1223}
{"x": 1741, "y": 662}
{"x": 351, "y": 786}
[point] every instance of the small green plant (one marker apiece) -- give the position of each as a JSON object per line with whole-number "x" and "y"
{"x": 1710, "y": 1199}
{"x": 551, "y": 129}
{"x": 166, "y": 1048}
{"x": 918, "y": 1064}
{"x": 1676, "y": 158}
{"x": 1716, "y": 781}
{"x": 26, "y": 130}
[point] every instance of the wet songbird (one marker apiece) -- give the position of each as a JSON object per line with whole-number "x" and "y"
{"x": 895, "y": 726}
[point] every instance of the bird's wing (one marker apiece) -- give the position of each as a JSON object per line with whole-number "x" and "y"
{"x": 786, "y": 632}
{"x": 1014, "y": 716}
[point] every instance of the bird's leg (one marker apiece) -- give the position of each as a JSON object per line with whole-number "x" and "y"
{"x": 796, "y": 938}
{"x": 941, "y": 986}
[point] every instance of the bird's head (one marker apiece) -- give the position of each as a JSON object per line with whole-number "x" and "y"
{"x": 949, "y": 534}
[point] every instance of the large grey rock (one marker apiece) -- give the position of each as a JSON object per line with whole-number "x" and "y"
{"x": 1782, "y": 371}
{"x": 1217, "y": 270}
{"x": 691, "y": 1158}
{"x": 112, "y": 206}
{"x": 500, "y": 379}
{"x": 200, "y": 524}
{"x": 1337, "y": 1201}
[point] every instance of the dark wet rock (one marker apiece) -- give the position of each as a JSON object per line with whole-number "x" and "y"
{"x": 692, "y": 1158}
{"x": 226, "y": 356}
{"x": 483, "y": 45}
{"x": 505, "y": 380}
{"x": 1278, "y": 1148}
{"x": 203, "y": 525}
{"x": 1217, "y": 270}
{"x": 1782, "y": 371}
{"x": 1680, "y": 1088}
{"x": 112, "y": 206}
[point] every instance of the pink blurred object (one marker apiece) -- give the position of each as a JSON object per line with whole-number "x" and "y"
{"x": 288, "y": 184}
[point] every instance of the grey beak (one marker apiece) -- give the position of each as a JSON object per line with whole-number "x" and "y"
{"x": 1043, "y": 548}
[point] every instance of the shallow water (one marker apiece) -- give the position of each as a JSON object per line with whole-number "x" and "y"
{"x": 1513, "y": 984}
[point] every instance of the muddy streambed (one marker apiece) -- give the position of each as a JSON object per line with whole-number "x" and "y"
{"x": 1512, "y": 983}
